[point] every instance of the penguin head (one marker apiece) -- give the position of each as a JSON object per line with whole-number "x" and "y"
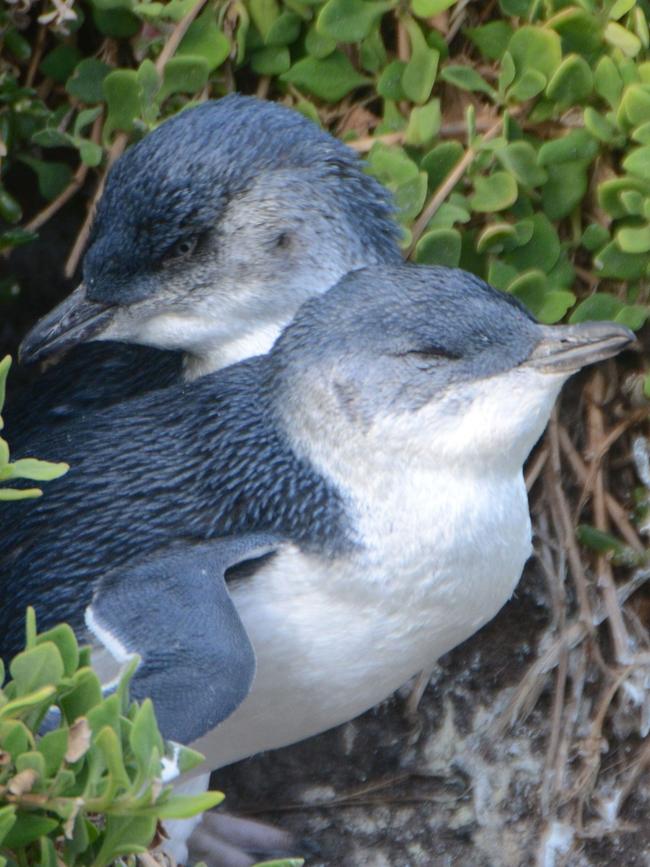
{"x": 413, "y": 360}
{"x": 214, "y": 228}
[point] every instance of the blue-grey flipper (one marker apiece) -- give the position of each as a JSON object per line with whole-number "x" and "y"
{"x": 175, "y": 612}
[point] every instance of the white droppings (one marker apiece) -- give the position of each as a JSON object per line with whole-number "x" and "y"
{"x": 557, "y": 841}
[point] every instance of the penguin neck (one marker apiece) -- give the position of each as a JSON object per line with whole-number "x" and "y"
{"x": 219, "y": 354}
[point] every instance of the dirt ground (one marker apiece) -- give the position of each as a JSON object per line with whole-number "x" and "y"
{"x": 378, "y": 792}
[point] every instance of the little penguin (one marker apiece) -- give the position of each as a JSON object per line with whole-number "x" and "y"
{"x": 357, "y": 494}
{"x": 210, "y": 233}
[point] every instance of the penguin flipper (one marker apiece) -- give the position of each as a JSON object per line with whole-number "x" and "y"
{"x": 175, "y": 611}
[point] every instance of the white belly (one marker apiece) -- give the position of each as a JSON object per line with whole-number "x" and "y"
{"x": 333, "y": 638}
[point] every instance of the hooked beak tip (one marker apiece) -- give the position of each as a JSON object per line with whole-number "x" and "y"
{"x": 75, "y": 320}
{"x": 567, "y": 348}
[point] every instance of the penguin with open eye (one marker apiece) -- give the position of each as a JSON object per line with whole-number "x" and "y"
{"x": 356, "y": 494}
{"x": 210, "y": 233}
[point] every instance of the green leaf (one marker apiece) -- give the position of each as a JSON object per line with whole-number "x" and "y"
{"x": 575, "y": 145}
{"x": 389, "y": 84}
{"x": 599, "y": 126}
{"x": 565, "y": 188}
{"x": 85, "y": 694}
{"x": 27, "y": 828}
{"x": 543, "y": 249}
{"x": 424, "y": 123}
{"x": 124, "y": 835}
{"x": 623, "y": 39}
{"x": 610, "y": 192}
{"x": 594, "y": 237}
{"x": 285, "y": 29}
{"x": 52, "y": 138}
{"x": 53, "y": 747}
{"x": 497, "y": 237}
{"x": 85, "y": 118}
{"x": 491, "y": 39}
{"x": 90, "y": 153}
{"x": 520, "y": 159}
{"x": 613, "y": 262}
{"x": 580, "y": 31}
{"x": 440, "y": 161}
{"x": 621, "y": 8}
{"x": 467, "y": 78}
{"x": 572, "y": 82}
{"x": 530, "y": 287}
{"x": 556, "y": 304}
{"x": 144, "y": 736}
{"x": 86, "y": 84}
{"x": 35, "y": 470}
{"x": 429, "y": 8}
{"x": 64, "y": 639}
{"x": 607, "y": 81}
{"x": 110, "y": 746}
{"x": 35, "y": 668}
{"x": 330, "y": 79}
{"x": 273, "y": 60}
{"x": 264, "y": 13}
{"x": 204, "y": 39}
{"x": 494, "y": 192}
{"x": 10, "y": 210}
{"x": 420, "y": 72}
{"x": 317, "y": 45}
{"x": 372, "y": 52}
{"x": 410, "y": 196}
{"x": 634, "y": 239}
{"x": 122, "y": 95}
{"x": 59, "y": 63}
{"x": 633, "y": 316}
{"x": 53, "y": 177}
{"x": 48, "y": 856}
{"x": 597, "y": 540}
{"x": 19, "y": 493}
{"x": 186, "y": 806}
{"x": 535, "y": 49}
{"x": 117, "y": 23}
{"x": 598, "y": 307}
{"x": 149, "y": 82}
{"x": 637, "y": 162}
{"x": 7, "y": 819}
{"x": 636, "y": 104}
{"x": 439, "y": 247}
{"x": 529, "y": 84}
{"x": 15, "y": 737}
{"x": 5, "y": 366}
{"x": 186, "y": 74}
{"x": 350, "y": 20}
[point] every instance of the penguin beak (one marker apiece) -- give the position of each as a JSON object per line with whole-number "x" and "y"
{"x": 73, "y": 321}
{"x": 567, "y": 348}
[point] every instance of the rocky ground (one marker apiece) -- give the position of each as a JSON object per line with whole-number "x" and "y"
{"x": 458, "y": 791}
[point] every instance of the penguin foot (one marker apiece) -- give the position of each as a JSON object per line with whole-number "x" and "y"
{"x": 223, "y": 840}
{"x": 412, "y": 704}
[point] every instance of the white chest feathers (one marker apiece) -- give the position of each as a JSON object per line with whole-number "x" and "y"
{"x": 334, "y": 637}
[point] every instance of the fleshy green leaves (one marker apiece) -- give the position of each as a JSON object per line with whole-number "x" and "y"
{"x": 92, "y": 783}
{"x": 330, "y": 79}
{"x": 420, "y": 72}
{"x": 25, "y": 468}
{"x": 350, "y": 20}
{"x": 494, "y": 193}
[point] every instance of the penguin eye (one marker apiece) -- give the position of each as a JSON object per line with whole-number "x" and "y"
{"x": 432, "y": 353}
{"x": 429, "y": 355}
{"x": 181, "y": 250}
{"x": 282, "y": 241}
